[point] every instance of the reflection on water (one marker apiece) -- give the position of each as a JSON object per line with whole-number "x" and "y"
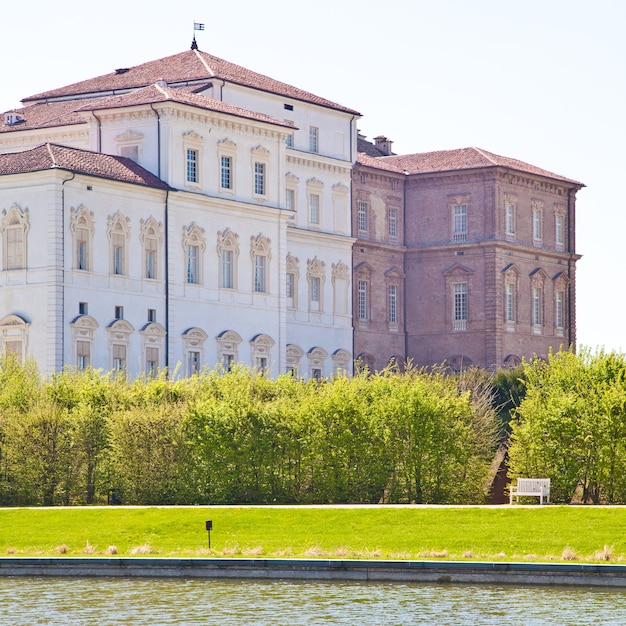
{"x": 107, "y": 601}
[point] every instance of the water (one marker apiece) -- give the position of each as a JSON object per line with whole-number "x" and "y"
{"x": 107, "y": 601}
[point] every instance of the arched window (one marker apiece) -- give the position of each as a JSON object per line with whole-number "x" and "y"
{"x": 15, "y": 227}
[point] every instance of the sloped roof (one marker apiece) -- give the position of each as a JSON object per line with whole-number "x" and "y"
{"x": 464, "y": 159}
{"x": 51, "y": 156}
{"x": 377, "y": 162}
{"x": 182, "y": 95}
{"x": 45, "y": 115}
{"x": 186, "y": 67}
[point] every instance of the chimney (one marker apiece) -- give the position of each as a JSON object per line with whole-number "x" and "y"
{"x": 383, "y": 144}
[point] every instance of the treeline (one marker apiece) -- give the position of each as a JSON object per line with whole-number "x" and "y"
{"x": 571, "y": 426}
{"x": 239, "y": 437}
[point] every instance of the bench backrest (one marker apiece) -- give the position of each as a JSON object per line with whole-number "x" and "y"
{"x": 533, "y": 485}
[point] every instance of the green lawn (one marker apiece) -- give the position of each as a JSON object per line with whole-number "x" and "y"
{"x": 487, "y": 533}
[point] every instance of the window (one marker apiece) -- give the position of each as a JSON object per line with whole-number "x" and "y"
{"x": 459, "y": 231}
{"x": 118, "y": 233}
{"x": 151, "y": 315}
{"x": 259, "y": 179}
{"x": 150, "y": 251}
{"x": 314, "y": 208}
{"x": 260, "y": 274}
{"x": 14, "y": 230}
{"x": 152, "y": 362}
{"x": 83, "y": 308}
{"x": 119, "y": 312}
{"x": 460, "y": 306}
{"x": 193, "y": 254}
{"x": 362, "y": 179}
{"x": 261, "y": 363}
{"x": 193, "y": 362}
{"x": 227, "y": 269}
{"x": 393, "y": 223}
{"x": 314, "y": 145}
{"x": 362, "y": 209}
{"x": 228, "y": 360}
{"x": 192, "y": 165}
{"x": 559, "y": 310}
{"x": 559, "y": 229}
{"x": 82, "y": 248}
{"x": 510, "y": 220}
{"x": 393, "y": 304}
{"x": 394, "y": 185}
{"x": 290, "y": 288}
{"x": 315, "y": 292}
{"x": 537, "y": 305}
{"x": 537, "y": 224}
{"x": 362, "y": 299}
{"x": 83, "y": 357}
{"x": 118, "y": 253}
{"x": 119, "y": 358}
{"x": 316, "y": 373}
{"x": 509, "y": 303}
{"x": 290, "y": 199}
{"x": 226, "y": 172}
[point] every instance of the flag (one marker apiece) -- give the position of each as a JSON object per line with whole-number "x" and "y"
{"x": 197, "y": 26}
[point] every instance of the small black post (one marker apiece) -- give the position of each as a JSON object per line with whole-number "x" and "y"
{"x": 209, "y": 527}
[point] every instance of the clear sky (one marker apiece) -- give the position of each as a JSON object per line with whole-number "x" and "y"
{"x": 543, "y": 81}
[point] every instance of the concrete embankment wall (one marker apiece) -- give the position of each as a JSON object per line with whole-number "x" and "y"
{"x": 319, "y": 569}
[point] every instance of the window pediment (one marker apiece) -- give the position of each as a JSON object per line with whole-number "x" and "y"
{"x": 193, "y": 136}
{"x": 458, "y": 270}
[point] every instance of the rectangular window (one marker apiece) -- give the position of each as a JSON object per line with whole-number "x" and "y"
{"x": 119, "y": 312}
{"x": 537, "y": 306}
{"x": 152, "y": 362}
{"x": 509, "y": 302}
{"x": 82, "y": 249}
{"x": 314, "y": 142}
{"x": 83, "y": 308}
{"x": 226, "y": 172}
{"x": 193, "y": 362}
{"x": 314, "y": 286}
{"x": 151, "y": 258}
{"x": 537, "y": 225}
{"x": 259, "y": 274}
{"x": 316, "y": 373}
{"x": 227, "y": 269}
{"x": 510, "y": 220}
{"x": 393, "y": 223}
{"x": 259, "y": 179}
{"x": 289, "y": 139}
{"x": 228, "y": 360}
{"x": 314, "y": 208}
{"x": 459, "y": 232}
{"x": 290, "y": 199}
{"x": 261, "y": 363}
{"x": 152, "y": 315}
{"x": 118, "y": 242}
{"x": 192, "y": 166}
{"x": 393, "y": 304}
{"x": 15, "y": 247}
{"x": 394, "y": 185}
{"x": 193, "y": 254}
{"x": 559, "y": 228}
{"x": 290, "y": 288}
{"x": 119, "y": 358}
{"x": 460, "y": 306}
{"x": 362, "y": 299}
{"x": 82, "y": 355}
{"x": 362, "y": 209}
{"x": 559, "y": 312}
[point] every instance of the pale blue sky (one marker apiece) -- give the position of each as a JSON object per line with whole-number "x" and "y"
{"x": 541, "y": 80}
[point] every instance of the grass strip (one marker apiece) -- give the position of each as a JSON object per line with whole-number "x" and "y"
{"x": 548, "y": 533}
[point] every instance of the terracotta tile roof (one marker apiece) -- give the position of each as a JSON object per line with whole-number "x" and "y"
{"x": 182, "y": 95}
{"x": 186, "y": 67}
{"x": 464, "y": 159}
{"x": 50, "y": 155}
{"x": 377, "y": 162}
{"x": 44, "y": 116}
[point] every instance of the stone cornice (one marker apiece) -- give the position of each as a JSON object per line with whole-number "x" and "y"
{"x": 323, "y": 165}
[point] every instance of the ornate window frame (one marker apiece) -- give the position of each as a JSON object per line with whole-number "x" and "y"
{"x": 537, "y": 207}
{"x": 510, "y": 216}
{"x": 316, "y": 269}
{"x": 228, "y": 342}
{"x": 314, "y": 203}
{"x": 511, "y": 275}
{"x": 260, "y": 254}
{"x": 340, "y": 280}
{"x": 293, "y": 269}
{"x": 260, "y": 352}
{"x": 119, "y": 331}
{"x": 458, "y": 207}
{"x": 82, "y": 228}
{"x": 14, "y": 336}
{"x": 192, "y": 141}
{"x": 15, "y": 220}
{"x": 455, "y": 310}
{"x": 538, "y": 279}
{"x": 130, "y": 144}
{"x": 291, "y": 187}
{"x": 341, "y": 360}
{"x": 193, "y": 348}
{"x": 227, "y": 242}
{"x": 153, "y": 339}
{"x": 293, "y": 357}
{"x": 394, "y": 278}
{"x": 118, "y": 232}
{"x": 83, "y": 329}
{"x": 260, "y": 157}
{"x": 561, "y": 284}
{"x": 316, "y": 357}
{"x": 151, "y": 238}
{"x": 193, "y": 236}
{"x": 560, "y": 226}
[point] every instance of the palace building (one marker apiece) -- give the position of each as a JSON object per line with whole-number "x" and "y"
{"x": 189, "y": 212}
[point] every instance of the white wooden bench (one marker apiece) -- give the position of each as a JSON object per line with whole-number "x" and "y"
{"x": 531, "y": 487}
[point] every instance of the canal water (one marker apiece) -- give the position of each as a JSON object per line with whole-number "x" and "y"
{"x": 108, "y": 601}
